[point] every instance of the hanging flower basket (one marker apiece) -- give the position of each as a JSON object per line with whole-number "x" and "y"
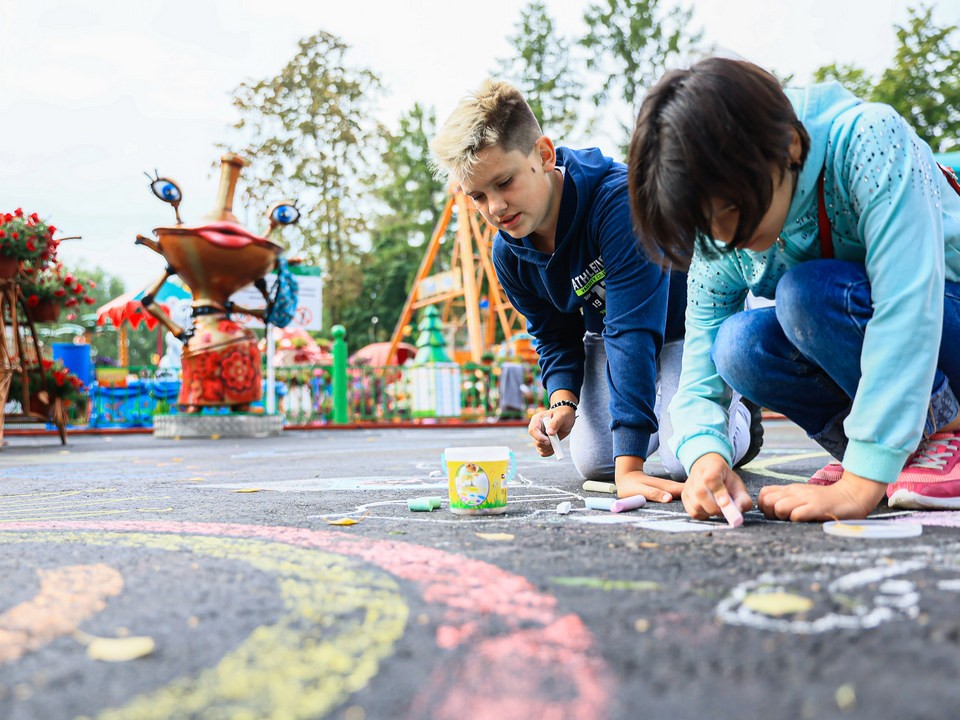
{"x": 9, "y": 267}
{"x": 46, "y": 311}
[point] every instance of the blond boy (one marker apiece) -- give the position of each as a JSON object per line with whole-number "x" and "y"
{"x": 608, "y": 321}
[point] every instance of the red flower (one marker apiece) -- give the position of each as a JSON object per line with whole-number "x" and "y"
{"x": 3, "y": 234}
{"x": 18, "y": 212}
{"x": 47, "y": 364}
{"x": 71, "y": 302}
{"x": 16, "y": 236}
{"x": 34, "y": 218}
{"x": 91, "y": 284}
{"x": 68, "y": 280}
{"x": 31, "y": 246}
{"x": 89, "y": 300}
{"x": 213, "y": 390}
{"x": 237, "y": 371}
{"x": 33, "y": 301}
{"x": 59, "y": 292}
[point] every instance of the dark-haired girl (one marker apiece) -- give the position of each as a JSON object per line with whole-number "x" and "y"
{"x": 837, "y": 209}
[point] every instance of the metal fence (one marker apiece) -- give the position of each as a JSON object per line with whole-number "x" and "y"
{"x": 305, "y": 396}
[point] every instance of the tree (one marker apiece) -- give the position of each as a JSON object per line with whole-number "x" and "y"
{"x": 923, "y": 84}
{"x": 412, "y": 199}
{"x": 309, "y": 134}
{"x": 631, "y": 43}
{"x": 541, "y": 68}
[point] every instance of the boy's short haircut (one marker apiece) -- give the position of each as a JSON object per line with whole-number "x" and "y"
{"x": 711, "y": 132}
{"x": 496, "y": 114}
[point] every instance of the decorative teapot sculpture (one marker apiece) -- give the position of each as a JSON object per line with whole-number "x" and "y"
{"x": 221, "y": 360}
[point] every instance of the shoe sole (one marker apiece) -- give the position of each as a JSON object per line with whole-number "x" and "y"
{"x": 915, "y": 501}
{"x": 756, "y": 432}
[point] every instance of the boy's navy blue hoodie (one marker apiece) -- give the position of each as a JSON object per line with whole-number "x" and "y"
{"x": 597, "y": 279}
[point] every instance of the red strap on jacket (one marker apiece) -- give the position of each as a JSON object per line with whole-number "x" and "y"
{"x": 823, "y": 222}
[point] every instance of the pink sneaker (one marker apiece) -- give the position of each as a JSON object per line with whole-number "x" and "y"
{"x": 827, "y": 475}
{"x": 931, "y": 478}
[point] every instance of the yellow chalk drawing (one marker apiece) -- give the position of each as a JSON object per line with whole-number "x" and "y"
{"x": 777, "y": 604}
{"x": 66, "y": 504}
{"x": 340, "y": 620}
{"x": 762, "y": 467}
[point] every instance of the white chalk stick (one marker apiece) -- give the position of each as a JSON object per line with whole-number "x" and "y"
{"x": 564, "y": 508}
{"x": 554, "y": 442}
{"x": 629, "y": 503}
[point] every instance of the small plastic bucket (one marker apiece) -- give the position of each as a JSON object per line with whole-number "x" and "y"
{"x": 478, "y": 478}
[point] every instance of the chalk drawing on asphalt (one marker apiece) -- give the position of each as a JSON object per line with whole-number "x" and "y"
{"x": 858, "y": 590}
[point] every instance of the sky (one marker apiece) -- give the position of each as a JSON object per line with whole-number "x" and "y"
{"x": 95, "y": 93}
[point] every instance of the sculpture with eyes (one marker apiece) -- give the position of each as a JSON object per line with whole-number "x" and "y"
{"x": 221, "y": 361}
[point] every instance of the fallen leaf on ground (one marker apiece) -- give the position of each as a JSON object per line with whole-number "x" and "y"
{"x": 494, "y": 536}
{"x": 249, "y": 490}
{"x": 116, "y": 649}
{"x": 343, "y": 521}
{"x": 777, "y": 604}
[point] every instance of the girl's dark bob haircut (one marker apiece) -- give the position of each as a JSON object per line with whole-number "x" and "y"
{"x": 715, "y": 131}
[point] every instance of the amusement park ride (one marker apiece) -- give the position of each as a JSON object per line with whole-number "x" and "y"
{"x": 461, "y": 291}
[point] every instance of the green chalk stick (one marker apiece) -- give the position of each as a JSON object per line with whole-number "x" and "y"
{"x": 419, "y": 505}
{"x": 435, "y": 501}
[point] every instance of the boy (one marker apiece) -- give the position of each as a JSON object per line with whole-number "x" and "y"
{"x": 605, "y": 318}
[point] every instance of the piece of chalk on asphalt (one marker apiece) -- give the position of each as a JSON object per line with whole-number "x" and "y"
{"x": 554, "y": 442}
{"x": 629, "y": 503}
{"x": 420, "y": 504}
{"x": 732, "y": 513}
{"x": 564, "y": 508}
{"x": 435, "y": 501}
{"x": 599, "y": 503}
{"x": 596, "y": 486}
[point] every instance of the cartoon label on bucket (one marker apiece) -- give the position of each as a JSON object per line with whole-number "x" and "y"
{"x": 478, "y": 478}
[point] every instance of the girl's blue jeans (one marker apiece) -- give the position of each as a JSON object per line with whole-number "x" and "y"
{"x": 802, "y": 357}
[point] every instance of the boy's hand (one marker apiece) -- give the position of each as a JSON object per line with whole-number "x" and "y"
{"x": 850, "y": 498}
{"x": 713, "y": 483}
{"x": 632, "y": 480}
{"x": 558, "y": 421}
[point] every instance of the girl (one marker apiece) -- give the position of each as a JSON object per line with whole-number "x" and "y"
{"x": 837, "y": 209}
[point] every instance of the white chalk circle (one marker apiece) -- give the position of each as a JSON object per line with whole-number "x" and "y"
{"x": 872, "y": 529}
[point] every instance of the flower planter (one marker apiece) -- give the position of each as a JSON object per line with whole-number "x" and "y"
{"x": 9, "y": 267}
{"x": 39, "y": 407}
{"x": 46, "y": 311}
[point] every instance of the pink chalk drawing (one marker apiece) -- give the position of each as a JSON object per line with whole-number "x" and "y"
{"x": 941, "y": 518}
{"x": 490, "y": 618}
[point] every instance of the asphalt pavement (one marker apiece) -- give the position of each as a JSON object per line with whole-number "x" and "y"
{"x": 285, "y": 577}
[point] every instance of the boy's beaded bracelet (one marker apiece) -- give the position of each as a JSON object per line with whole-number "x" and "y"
{"x": 561, "y": 403}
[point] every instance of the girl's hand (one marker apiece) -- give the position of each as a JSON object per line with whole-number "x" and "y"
{"x": 632, "y": 480}
{"x": 558, "y": 421}
{"x": 850, "y": 498}
{"x": 712, "y": 484}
